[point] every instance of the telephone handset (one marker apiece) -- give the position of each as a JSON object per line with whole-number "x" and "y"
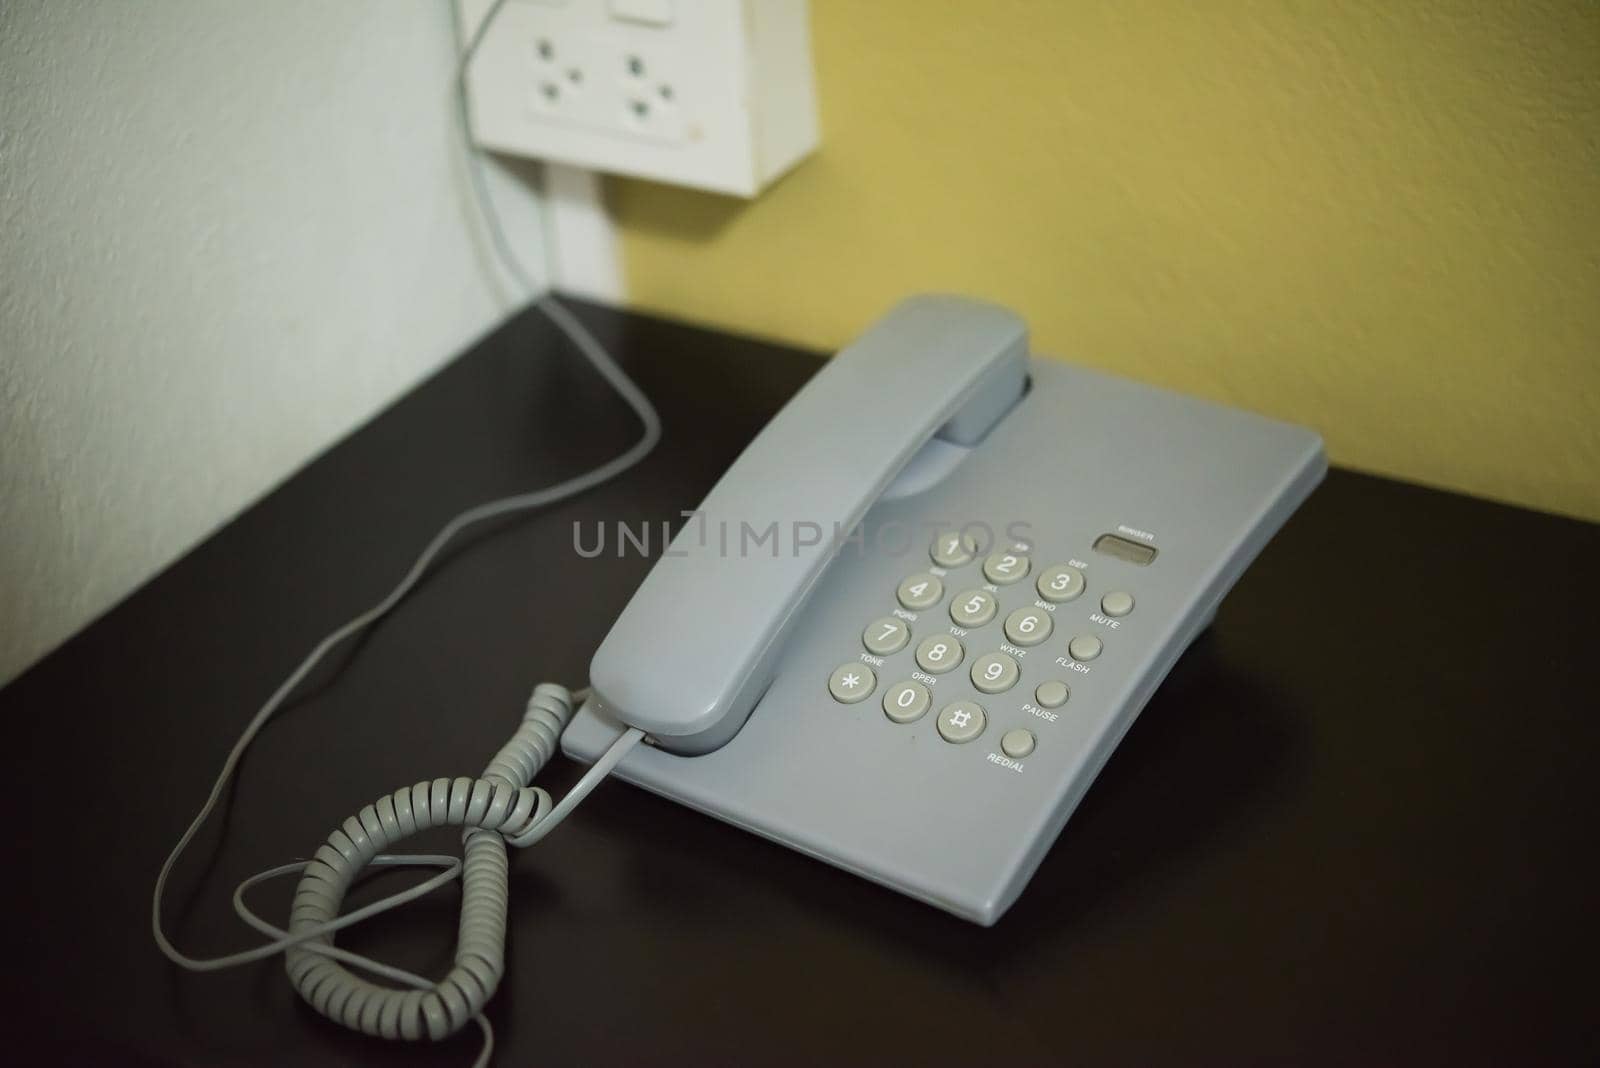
{"x": 933, "y": 366}
{"x": 910, "y": 623}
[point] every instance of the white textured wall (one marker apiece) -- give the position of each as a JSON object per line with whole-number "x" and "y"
{"x": 229, "y": 231}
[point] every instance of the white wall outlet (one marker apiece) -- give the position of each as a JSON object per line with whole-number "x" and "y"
{"x": 714, "y": 94}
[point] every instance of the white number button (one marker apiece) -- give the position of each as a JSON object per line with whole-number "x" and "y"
{"x": 951, "y": 548}
{"x": 995, "y": 673}
{"x": 1060, "y": 583}
{"x": 921, "y": 590}
{"x": 1028, "y": 626}
{"x": 939, "y": 654}
{"x": 972, "y": 609}
{"x": 1002, "y": 569}
{"x": 906, "y": 701}
{"x": 885, "y": 636}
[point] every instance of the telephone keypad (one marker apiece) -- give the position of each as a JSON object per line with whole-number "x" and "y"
{"x": 1003, "y": 569}
{"x": 885, "y": 636}
{"x": 906, "y": 701}
{"x": 851, "y": 682}
{"x": 973, "y": 608}
{"x": 919, "y": 591}
{"x": 951, "y": 548}
{"x": 1060, "y": 583}
{"x": 940, "y": 653}
{"x": 961, "y": 721}
{"x": 1028, "y": 626}
{"x": 991, "y": 673}
{"x": 995, "y": 673}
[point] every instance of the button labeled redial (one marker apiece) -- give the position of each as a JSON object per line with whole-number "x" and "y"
{"x": 1017, "y": 744}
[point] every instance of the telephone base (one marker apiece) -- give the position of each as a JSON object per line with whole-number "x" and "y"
{"x": 1188, "y": 491}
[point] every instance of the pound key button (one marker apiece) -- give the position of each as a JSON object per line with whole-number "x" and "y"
{"x": 961, "y": 721}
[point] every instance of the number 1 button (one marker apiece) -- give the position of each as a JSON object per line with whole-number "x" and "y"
{"x": 953, "y": 548}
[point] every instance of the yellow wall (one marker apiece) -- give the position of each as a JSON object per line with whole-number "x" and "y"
{"x": 1380, "y": 218}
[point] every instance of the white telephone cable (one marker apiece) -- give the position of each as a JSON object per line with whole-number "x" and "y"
{"x": 498, "y": 804}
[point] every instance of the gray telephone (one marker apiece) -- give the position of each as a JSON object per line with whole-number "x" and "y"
{"x": 908, "y": 626}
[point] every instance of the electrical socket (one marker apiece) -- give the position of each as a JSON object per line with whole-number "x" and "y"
{"x": 713, "y": 94}
{"x": 591, "y": 81}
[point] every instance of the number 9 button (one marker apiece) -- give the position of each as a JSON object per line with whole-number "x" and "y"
{"x": 995, "y": 673}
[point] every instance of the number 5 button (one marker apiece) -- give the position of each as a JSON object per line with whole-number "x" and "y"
{"x": 972, "y": 609}
{"x": 1028, "y": 626}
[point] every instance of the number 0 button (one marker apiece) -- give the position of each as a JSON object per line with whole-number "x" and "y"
{"x": 972, "y": 609}
{"x": 885, "y": 636}
{"x": 850, "y": 683}
{"x": 1002, "y": 569}
{"x": 1028, "y": 626}
{"x": 906, "y": 701}
{"x": 921, "y": 590}
{"x": 939, "y": 654}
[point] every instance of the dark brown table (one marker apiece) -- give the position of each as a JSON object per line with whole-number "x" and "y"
{"x": 1356, "y": 824}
